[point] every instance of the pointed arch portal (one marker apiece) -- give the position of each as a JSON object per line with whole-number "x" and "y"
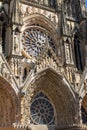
{"x": 58, "y": 93}
{"x": 9, "y": 104}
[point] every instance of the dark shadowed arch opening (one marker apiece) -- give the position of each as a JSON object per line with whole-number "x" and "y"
{"x": 79, "y": 53}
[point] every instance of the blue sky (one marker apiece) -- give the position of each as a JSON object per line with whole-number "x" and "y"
{"x": 86, "y": 3}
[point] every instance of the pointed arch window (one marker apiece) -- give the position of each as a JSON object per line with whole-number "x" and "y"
{"x": 41, "y": 110}
{"x": 79, "y": 56}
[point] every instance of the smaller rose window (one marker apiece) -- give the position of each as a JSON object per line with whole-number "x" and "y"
{"x": 41, "y": 110}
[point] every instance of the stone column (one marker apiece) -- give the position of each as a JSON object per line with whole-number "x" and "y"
{"x": 80, "y": 115}
{"x": 0, "y": 37}
{"x": 21, "y": 69}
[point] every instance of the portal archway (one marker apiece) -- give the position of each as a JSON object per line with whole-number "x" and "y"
{"x": 9, "y": 104}
{"x": 62, "y": 97}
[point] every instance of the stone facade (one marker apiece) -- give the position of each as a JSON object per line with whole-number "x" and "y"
{"x": 43, "y": 65}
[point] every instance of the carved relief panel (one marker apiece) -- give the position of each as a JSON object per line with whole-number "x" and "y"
{"x": 29, "y": 10}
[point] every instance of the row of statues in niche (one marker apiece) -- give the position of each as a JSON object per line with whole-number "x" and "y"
{"x": 50, "y": 3}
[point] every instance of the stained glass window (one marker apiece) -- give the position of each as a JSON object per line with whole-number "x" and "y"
{"x": 35, "y": 41}
{"x": 42, "y": 111}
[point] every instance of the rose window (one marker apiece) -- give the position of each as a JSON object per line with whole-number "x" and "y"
{"x": 36, "y": 41}
{"x": 41, "y": 110}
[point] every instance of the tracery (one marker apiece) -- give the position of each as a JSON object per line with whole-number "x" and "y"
{"x": 41, "y": 110}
